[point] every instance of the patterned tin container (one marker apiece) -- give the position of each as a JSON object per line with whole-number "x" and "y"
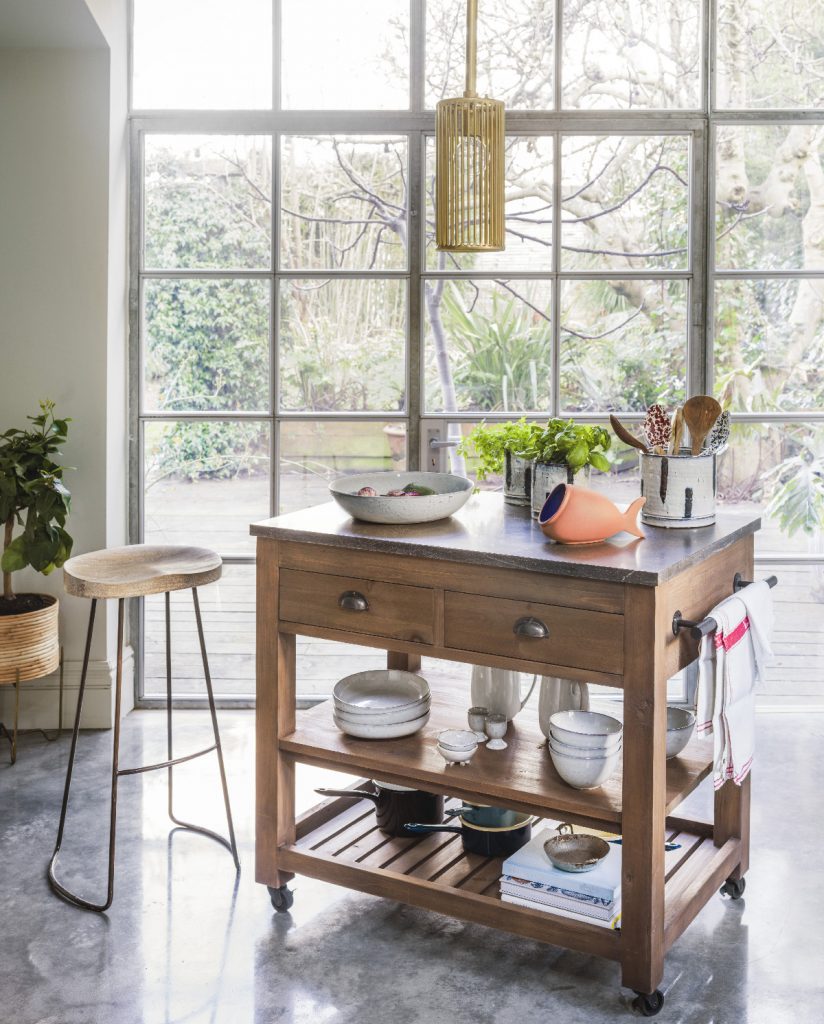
{"x": 517, "y": 480}
{"x": 546, "y": 477}
{"x": 680, "y": 490}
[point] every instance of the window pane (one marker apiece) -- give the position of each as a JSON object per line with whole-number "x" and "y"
{"x": 528, "y": 185}
{"x": 769, "y": 54}
{"x": 312, "y": 455}
{"x": 228, "y": 609}
{"x": 623, "y": 344}
{"x": 204, "y": 483}
{"x": 343, "y": 203}
{"x": 345, "y": 54}
{"x": 178, "y": 45}
{"x": 625, "y": 202}
{"x": 488, "y": 345}
{"x": 769, "y": 344}
{"x": 208, "y": 202}
{"x": 342, "y": 344}
{"x": 645, "y": 55}
{"x": 769, "y": 199}
{"x": 777, "y": 469}
{"x": 515, "y": 52}
{"x": 206, "y": 345}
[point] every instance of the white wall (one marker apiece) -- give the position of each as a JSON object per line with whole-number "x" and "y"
{"x": 63, "y": 307}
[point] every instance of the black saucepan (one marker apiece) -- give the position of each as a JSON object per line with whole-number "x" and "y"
{"x": 395, "y": 805}
{"x": 488, "y": 842}
{"x": 485, "y": 815}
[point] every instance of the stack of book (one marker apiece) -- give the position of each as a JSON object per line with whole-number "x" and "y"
{"x": 530, "y": 880}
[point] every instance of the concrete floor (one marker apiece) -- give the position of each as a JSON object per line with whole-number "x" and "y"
{"x": 184, "y": 942}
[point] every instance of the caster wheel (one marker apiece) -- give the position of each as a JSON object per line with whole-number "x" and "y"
{"x": 734, "y": 888}
{"x": 282, "y": 898}
{"x": 649, "y": 1004}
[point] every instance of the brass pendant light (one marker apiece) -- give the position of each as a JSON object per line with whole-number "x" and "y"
{"x": 469, "y": 163}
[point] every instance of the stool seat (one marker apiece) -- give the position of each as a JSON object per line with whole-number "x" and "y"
{"x": 140, "y": 569}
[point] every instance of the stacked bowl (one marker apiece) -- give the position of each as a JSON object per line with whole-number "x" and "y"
{"x": 585, "y": 747}
{"x": 457, "y": 746}
{"x": 382, "y": 704}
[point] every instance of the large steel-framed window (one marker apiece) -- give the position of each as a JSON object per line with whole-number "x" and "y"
{"x": 272, "y": 428}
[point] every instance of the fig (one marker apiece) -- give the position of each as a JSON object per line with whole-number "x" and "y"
{"x": 367, "y": 492}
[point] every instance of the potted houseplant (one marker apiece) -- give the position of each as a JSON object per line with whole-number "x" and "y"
{"x": 560, "y": 451}
{"x": 32, "y": 496}
{"x": 498, "y": 447}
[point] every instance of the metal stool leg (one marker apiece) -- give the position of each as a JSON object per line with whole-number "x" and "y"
{"x": 57, "y": 886}
{"x": 230, "y": 844}
{"x": 4, "y": 732}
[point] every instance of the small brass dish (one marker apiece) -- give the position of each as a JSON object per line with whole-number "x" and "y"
{"x": 575, "y": 853}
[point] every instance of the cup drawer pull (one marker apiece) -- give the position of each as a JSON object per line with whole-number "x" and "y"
{"x": 353, "y": 601}
{"x": 530, "y": 627}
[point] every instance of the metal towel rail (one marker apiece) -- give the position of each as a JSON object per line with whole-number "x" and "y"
{"x": 709, "y": 625}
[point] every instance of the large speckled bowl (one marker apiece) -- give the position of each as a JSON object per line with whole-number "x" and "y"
{"x": 452, "y": 492}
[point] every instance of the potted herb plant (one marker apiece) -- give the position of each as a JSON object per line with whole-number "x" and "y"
{"x": 32, "y": 496}
{"x": 560, "y": 451}
{"x": 498, "y": 448}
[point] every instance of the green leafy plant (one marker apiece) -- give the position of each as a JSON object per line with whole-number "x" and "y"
{"x": 566, "y": 443}
{"x": 797, "y": 500}
{"x": 32, "y": 495}
{"x": 490, "y": 443}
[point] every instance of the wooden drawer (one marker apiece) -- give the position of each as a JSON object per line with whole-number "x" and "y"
{"x": 576, "y": 637}
{"x": 392, "y": 610}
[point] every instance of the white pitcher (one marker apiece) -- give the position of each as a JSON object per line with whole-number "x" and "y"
{"x": 559, "y": 694}
{"x": 498, "y": 690}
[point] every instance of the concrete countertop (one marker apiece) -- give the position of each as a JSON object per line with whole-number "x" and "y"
{"x": 488, "y": 532}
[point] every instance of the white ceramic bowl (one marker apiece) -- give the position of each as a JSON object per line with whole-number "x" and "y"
{"x": 456, "y": 756}
{"x": 379, "y": 690}
{"x": 597, "y": 747}
{"x": 584, "y": 772}
{"x": 680, "y": 725}
{"x": 457, "y": 739}
{"x": 394, "y": 716}
{"x": 365, "y": 731}
{"x": 585, "y": 752}
{"x": 451, "y": 493}
{"x": 585, "y": 728}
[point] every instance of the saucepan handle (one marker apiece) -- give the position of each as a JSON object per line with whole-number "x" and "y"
{"x": 352, "y": 794}
{"x": 422, "y": 830}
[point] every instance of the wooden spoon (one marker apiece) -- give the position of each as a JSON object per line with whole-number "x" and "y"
{"x": 628, "y": 438}
{"x": 677, "y": 431}
{"x": 700, "y": 413}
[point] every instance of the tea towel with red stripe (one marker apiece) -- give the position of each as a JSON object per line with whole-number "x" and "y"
{"x": 730, "y": 663}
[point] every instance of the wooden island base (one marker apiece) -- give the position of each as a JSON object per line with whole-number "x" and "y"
{"x": 456, "y": 590}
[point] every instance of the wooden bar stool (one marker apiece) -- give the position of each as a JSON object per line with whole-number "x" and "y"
{"x": 136, "y": 571}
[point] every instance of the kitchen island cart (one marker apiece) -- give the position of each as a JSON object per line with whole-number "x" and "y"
{"x": 470, "y": 589}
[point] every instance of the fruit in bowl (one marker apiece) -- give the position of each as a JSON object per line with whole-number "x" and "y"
{"x": 372, "y": 497}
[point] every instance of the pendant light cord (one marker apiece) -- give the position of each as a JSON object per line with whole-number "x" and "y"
{"x": 471, "y": 46}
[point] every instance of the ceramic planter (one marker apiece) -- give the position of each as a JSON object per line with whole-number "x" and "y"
{"x": 517, "y": 480}
{"x": 546, "y": 477}
{"x": 29, "y": 644}
{"x": 577, "y": 515}
{"x": 680, "y": 490}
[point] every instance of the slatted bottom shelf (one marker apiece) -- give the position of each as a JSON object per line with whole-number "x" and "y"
{"x": 434, "y": 872}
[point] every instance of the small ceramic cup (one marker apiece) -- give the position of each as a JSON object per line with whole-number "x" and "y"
{"x": 476, "y": 718}
{"x": 495, "y": 726}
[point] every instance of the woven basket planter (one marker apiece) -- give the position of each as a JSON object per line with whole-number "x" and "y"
{"x": 29, "y": 643}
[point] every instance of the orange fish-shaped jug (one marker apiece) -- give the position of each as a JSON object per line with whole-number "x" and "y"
{"x": 576, "y": 515}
